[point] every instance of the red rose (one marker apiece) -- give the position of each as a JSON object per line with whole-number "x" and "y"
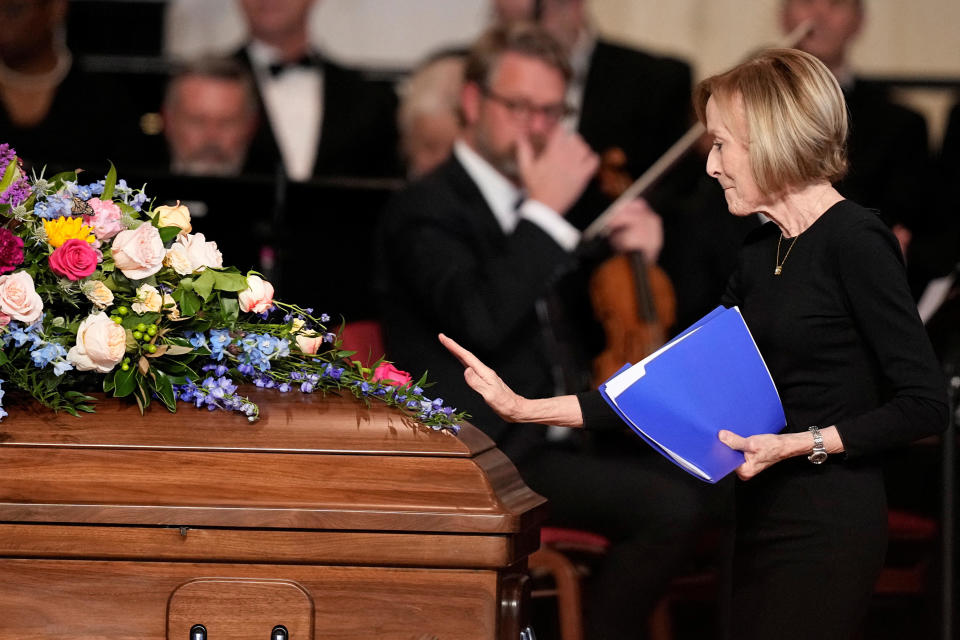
{"x": 391, "y": 375}
{"x": 74, "y": 259}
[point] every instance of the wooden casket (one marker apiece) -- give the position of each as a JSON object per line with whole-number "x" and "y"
{"x": 325, "y": 519}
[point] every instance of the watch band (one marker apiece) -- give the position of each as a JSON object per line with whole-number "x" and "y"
{"x": 819, "y": 453}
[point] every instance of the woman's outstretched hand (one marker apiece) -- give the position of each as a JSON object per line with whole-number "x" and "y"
{"x": 486, "y": 382}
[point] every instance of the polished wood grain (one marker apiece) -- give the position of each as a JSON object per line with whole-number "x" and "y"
{"x": 240, "y": 609}
{"x": 289, "y": 422}
{"x": 128, "y": 600}
{"x": 258, "y": 546}
{"x": 195, "y": 488}
{"x": 122, "y": 526}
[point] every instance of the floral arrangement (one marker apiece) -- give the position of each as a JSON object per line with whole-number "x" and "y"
{"x": 101, "y": 291}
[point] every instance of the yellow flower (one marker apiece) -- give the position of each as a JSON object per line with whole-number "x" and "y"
{"x": 63, "y": 229}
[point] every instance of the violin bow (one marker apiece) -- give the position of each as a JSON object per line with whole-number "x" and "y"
{"x": 676, "y": 151}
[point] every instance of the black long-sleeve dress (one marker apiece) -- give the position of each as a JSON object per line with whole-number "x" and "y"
{"x": 842, "y": 339}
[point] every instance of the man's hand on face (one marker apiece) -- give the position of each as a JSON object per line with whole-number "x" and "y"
{"x": 559, "y": 174}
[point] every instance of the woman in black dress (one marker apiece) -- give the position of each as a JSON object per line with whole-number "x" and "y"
{"x": 823, "y": 289}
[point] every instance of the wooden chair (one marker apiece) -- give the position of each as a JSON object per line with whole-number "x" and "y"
{"x": 554, "y": 560}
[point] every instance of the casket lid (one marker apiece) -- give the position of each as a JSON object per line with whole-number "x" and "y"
{"x": 310, "y": 462}
{"x": 289, "y": 422}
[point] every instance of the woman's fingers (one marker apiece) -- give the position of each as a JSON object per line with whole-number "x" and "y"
{"x": 732, "y": 440}
{"x": 466, "y": 358}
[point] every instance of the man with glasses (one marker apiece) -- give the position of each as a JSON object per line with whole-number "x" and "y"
{"x": 478, "y": 249}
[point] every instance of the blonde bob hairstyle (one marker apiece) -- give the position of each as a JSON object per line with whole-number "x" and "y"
{"x": 796, "y": 117}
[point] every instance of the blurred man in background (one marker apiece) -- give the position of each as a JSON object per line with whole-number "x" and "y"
{"x": 210, "y": 117}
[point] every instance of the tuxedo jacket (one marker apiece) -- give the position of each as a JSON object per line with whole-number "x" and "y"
{"x": 447, "y": 266}
{"x": 358, "y": 134}
{"x": 638, "y": 102}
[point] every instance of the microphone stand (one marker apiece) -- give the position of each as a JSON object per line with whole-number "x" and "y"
{"x": 948, "y": 530}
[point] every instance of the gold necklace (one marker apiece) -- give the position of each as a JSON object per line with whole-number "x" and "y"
{"x": 779, "y": 265}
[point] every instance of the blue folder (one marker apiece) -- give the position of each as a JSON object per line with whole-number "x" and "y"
{"x": 708, "y": 378}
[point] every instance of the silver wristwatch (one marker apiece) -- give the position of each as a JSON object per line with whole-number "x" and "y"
{"x": 819, "y": 454}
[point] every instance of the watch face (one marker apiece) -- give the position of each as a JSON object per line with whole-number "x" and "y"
{"x": 817, "y": 457}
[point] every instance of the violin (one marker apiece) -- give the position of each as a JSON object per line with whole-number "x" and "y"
{"x": 633, "y": 301}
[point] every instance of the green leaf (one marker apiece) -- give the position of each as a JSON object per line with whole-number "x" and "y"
{"x": 109, "y": 184}
{"x": 188, "y": 302}
{"x": 230, "y": 310}
{"x": 8, "y": 175}
{"x": 124, "y": 382}
{"x": 132, "y": 320}
{"x": 163, "y": 385}
{"x": 226, "y": 281}
{"x": 168, "y": 233}
{"x": 65, "y": 176}
{"x": 203, "y": 286}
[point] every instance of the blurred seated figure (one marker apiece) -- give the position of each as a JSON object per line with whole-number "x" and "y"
{"x": 888, "y": 146}
{"x": 49, "y": 108}
{"x": 209, "y": 118}
{"x": 317, "y": 118}
{"x": 428, "y": 117}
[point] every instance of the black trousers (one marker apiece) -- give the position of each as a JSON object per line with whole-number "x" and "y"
{"x": 652, "y": 511}
{"x": 810, "y": 543}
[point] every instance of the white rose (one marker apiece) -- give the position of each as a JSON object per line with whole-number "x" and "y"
{"x": 19, "y": 298}
{"x": 177, "y": 259}
{"x": 170, "y": 306}
{"x": 138, "y": 253}
{"x": 101, "y": 344}
{"x": 98, "y": 294}
{"x": 175, "y": 216}
{"x": 148, "y": 299}
{"x": 202, "y": 254}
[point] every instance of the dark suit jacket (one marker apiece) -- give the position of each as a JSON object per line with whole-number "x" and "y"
{"x": 889, "y": 156}
{"x": 446, "y": 265}
{"x": 358, "y": 136}
{"x": 635, "y": 101}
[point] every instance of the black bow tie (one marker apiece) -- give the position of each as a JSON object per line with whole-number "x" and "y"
{"x": 306, "y": 61}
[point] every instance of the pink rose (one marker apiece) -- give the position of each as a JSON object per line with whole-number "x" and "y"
{"x": 138, "y": 253}
{"x": 4, "y": 319}
{"x": 101, "y": 344}
{"x": 309, "y": 344}
{"x": 19, "y": 299}
{"x": 105, "y": 220}
{"x": 199, "y": 252}
{"x": 257, "y": 297}
{"x": 391, "y": 375}
{"x": 74, "y": 259}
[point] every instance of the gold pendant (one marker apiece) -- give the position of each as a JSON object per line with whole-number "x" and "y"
{"x": 777, "y": 271}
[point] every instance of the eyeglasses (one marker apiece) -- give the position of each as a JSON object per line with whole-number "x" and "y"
{"x": 524, "y": 110}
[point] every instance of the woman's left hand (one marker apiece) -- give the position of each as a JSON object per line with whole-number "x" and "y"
{"x": 760, "y": 451}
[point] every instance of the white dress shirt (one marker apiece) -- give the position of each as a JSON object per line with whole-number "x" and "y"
{"x": 502, "y": 196}
{"x": 293, "y": 100}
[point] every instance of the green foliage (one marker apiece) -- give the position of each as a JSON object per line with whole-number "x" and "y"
{"x": 147, "y": 356}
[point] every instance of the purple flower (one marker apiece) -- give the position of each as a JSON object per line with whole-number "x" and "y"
{"x": 16, "y": 193}
{"x": 7, "y": 154}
